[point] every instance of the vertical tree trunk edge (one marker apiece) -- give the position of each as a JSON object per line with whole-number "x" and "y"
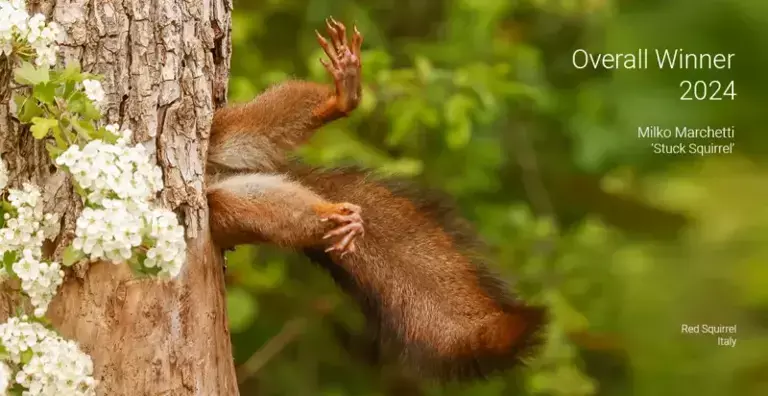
{"x": 166, "y": 67}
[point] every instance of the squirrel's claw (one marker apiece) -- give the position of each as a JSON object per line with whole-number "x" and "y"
{"x": 333, "y": 31}
{"x": 357, "y": 41}
{"x": 347, "y": 243}
{"x": 341, "y": 31}
{"x": 329, "y": 51}
{"x": 345, "y": 64}
{"x": 350, "y": 227}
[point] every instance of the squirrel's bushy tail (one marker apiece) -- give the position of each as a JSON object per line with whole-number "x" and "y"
{"x": 423, "y": 289}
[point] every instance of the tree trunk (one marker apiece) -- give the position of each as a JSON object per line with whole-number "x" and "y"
{"x": 165, "y": 65}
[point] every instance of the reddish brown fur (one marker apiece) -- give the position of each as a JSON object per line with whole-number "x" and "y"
{"x": 284, "y": 114}
{"x": 276, "y": 121}
{"x": 253, "y": 208}
{"x": 281, "y": 214}
{"x": 419, "y": 282}
{"x": 256, "y": 135}
{"x": 444, "y": 311}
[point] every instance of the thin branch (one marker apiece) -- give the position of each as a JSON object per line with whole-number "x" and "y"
{"x": 533, "y": 182}
{"x": 532, "y": 178}
{"x": 290, "y": 331}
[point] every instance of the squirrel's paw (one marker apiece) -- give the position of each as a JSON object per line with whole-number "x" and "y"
{"x": 345, "y": 63}
{"x": 350, "y": 226}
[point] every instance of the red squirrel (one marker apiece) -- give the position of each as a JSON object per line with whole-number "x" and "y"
{"x": 420, "y": 283}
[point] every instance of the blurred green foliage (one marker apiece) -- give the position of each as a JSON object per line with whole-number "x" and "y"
{"x": 478, "y": 98}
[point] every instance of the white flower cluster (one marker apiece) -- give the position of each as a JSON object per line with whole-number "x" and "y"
{"x": 168, "y": 252}
{"x": 17, "y": 29}
{"x": 94, "y": 91}
{"x": 30, "y": 226}
{"x": 39, "y": 280}
{"x": 120, "y": 183}
{"x": 5, "y": 378}
{"x": 23, "y": 235}
{"x": 108, "y": 171}
{"x": 50, "y": 365}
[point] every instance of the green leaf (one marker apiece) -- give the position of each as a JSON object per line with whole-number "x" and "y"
{"x": 26, "y": 356}
{"x": 45, "y": 93}
{"x": 98, "y": 133}
{"x": 42, "y": 320}
{"x": 9, "y": 258}
{"x": 41, "y": 126}
{"x": 19, "y": 100}
{"x": 28, "y": 74}
{"x": 565, "y": 313}
{"x": 79, "y": 103}
{"x": 53, "y": 151}
{"x": 70, "y": 135}
{"x": 29, "y": 109}
{"x": 457, "y": 108}
{"x": 141, "y": 257}
{"x": 430, "y": 117}
{"x": 4, "y": 352}
{"x": 71, "y": 256}
{"x": 458, "y": 135}
{"x": 108, "y": 136}
{"x": 424, "y": 68}
{"x": 408, "y": 113}
{"x": 457, "y": 115}
{"x": 79, "y": 190}
{"x": 84, "y": 128}
{"x": 137, "y": 265}
{"x": 8, "y": 207}
{"x": 17, "y": 390}
{"x": 91, "y": 112}
{"x": 136, "y": 260}
{"x": 241, "y": 309}
{"x": 269, "y": 276}
{"x": 70, "y": 74}
{"x": 76, "y": 102}
{"x": 69, "y": 88}
{"x": 58, "y": 136}
{"x": 144, "y": 271}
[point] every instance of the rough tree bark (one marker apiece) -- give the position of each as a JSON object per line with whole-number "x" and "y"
{"x": 166, "y": 65}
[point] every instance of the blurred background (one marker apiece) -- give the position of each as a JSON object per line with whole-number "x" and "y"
{"x": 479, "y": 99}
